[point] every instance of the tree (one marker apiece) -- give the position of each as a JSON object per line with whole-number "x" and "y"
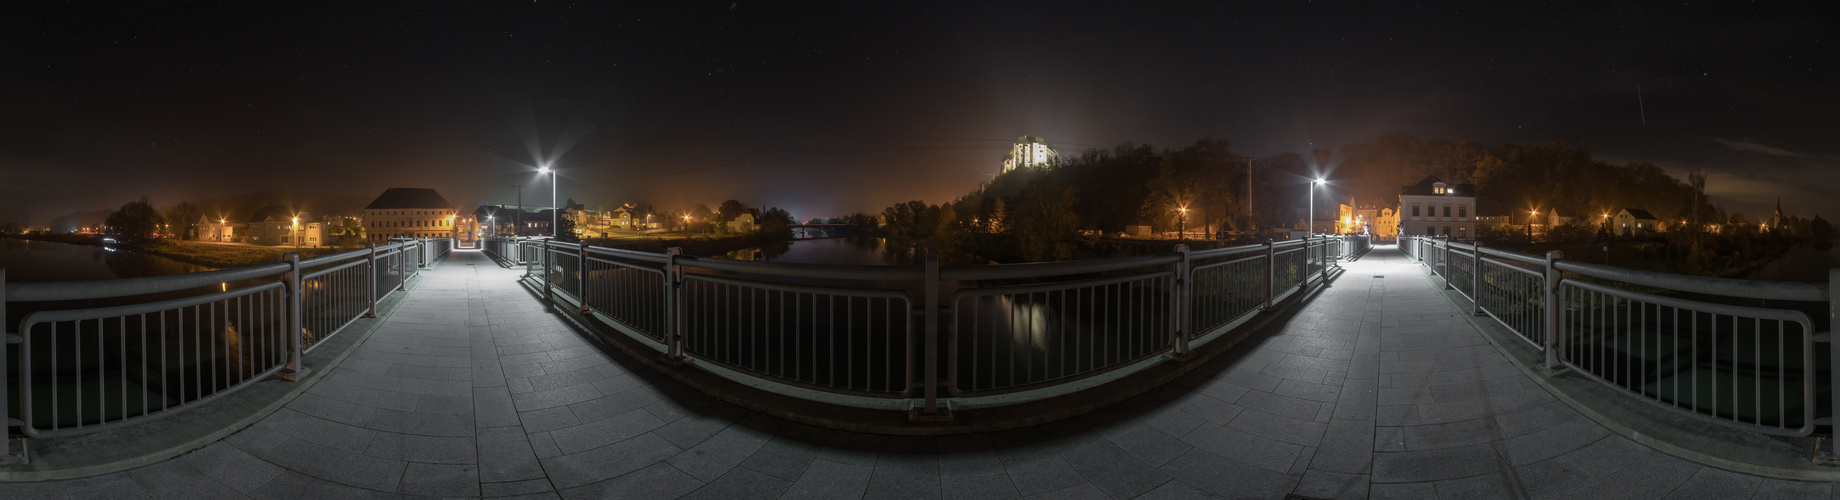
{"x": 699, "y": 214}
{"x": 775, "y": 223}
{"x": 731, "y": 209}
{"x": 10, "y": 228}
{"x": 950, "y": 235}
{"x": 180, "y": 219}
{"x": 1043, "y": 219}
{"x": 565, "y": 230}
{"x": 136, "y": 219}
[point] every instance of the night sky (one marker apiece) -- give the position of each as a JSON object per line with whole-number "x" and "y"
{"x": 825, "y": 109}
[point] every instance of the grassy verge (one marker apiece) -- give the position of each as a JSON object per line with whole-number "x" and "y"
{"x": 223, "y": 256}
{"x": 192, "y": 252}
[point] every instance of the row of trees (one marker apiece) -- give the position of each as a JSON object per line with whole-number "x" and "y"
{"x": 1206, "y": 186}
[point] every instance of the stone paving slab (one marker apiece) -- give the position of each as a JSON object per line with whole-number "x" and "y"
{"x": 1376, "y": 388}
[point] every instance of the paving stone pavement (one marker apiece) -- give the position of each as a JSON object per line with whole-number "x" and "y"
{"x": 1376, "y": 388}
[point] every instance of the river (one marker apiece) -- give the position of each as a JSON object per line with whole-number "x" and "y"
{"x": 33, "y": 261}
{"x": 1802, "y": 263}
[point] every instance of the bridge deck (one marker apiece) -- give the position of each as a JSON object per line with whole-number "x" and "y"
{"x": 1375, "y": 389}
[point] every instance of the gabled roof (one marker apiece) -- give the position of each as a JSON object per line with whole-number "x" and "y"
{"x": 276, "y": 213}
{"x": 1424, "y": 188}
{"x": 1640, "y": 214}
{"x": 400, "y": 198}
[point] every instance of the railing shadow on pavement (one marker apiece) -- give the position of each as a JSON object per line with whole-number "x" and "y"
{"x": 861, "y": 336}
{"x": 1753, "y": 356}
{"x": 101, "y": 355}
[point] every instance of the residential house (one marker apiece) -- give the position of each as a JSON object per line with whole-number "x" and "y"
{"x": 1437, "y": 208}
{"x": 278, "y": 225}
{"x": 1634, "y": 222}
{"x": 745, "y": 221}
{"x": 409, "y": 213}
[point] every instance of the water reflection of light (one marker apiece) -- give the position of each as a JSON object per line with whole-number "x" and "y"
{"x": 1029, "y": 323}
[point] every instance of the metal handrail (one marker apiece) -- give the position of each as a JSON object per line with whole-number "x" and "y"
{"x": 1628, "y": 339}
{"x": 190, "y": 350}
{"x": 125, "y": 287}
{"x": 1741, "y": 288}
{"x": 580, "y": 274}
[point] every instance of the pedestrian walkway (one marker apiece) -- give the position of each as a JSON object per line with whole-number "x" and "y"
{"x": 1376, "y": 388}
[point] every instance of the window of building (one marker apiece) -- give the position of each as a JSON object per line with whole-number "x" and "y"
{"x": 1446, "y": 210}
{"x": 1415, "y": 210}
{"x": 1431, "y": 231}
{"x": 1446, "y": 230}
{"x": 1463, "y": 211}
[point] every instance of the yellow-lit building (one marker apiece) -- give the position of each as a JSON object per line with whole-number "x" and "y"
{"x": 409, "y": 213}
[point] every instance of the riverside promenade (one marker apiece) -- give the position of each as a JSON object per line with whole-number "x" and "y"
{"x": 1376, "y": 387}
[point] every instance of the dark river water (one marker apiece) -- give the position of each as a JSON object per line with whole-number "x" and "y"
{"x": 26, "y": 260}
{"x": 1802, "y": 263}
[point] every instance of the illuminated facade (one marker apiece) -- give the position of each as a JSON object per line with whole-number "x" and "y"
{"x": 1437, "y": 208}
{"x": 1028, "y": 152}
{"x": 1634, "y": 221}
{"x": 409, "y": 213}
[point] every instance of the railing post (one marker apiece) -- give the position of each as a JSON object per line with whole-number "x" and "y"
{"x": 1475, "y": 280}
{"x": 1833, "y": 347}
{"x": 402, "y": 271}
{"x": 544, "y": 257}
{"x": 581, "y": 279}
{"x": 674, "y": 302}
{"x": 14, "y": 452}
{"x": 371, "y": 284}
{"x": 931, "y": 325}
{"x": 1446, "y": 262}
{"x": 1183, "y": 303}
{"x": 293, "y": 371}
{"x": 1554, "y": 342}
{"x": 1271, "y": 271}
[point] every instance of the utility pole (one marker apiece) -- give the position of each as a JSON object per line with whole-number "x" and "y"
{"x": 1248, "y": 191}
{"x": 518, "y": 218}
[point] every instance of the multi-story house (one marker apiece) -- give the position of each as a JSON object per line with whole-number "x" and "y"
{"x": 277, "y": 225}
{"x": 409, "y": 213}
{"x": 1437, "y": 208}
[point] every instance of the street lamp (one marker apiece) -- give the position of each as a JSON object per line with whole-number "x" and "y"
{"x": 1536, "y": 213}
{"x": 1312, "y": 229}
{"x": 293, "y": 230}
{"x": 552, "y": 198}
{"x": 1182, "y": 225}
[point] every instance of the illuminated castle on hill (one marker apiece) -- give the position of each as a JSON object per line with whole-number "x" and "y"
{"x": 1028, "y": 152}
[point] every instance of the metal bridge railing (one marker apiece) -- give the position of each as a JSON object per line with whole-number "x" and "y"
{"x": 872, "y": 335}
{"x": 1744, "y": 354}
{"x": 158, "y": 346}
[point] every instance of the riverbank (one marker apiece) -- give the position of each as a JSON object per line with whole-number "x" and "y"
{"x": 1721, "y": 259}
{"x": 697, "y": 245}
{"x": 189, "y": 252}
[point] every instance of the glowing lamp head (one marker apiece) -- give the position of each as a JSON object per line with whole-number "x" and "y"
{"x": 1320, "y": 182}
{"x": 543, "y": 169}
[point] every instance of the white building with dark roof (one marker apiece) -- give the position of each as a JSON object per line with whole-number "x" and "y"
{"x": 409, "y": 213}
{"x": 1434, "y": 207}
{"x": 1634, "y": 221}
